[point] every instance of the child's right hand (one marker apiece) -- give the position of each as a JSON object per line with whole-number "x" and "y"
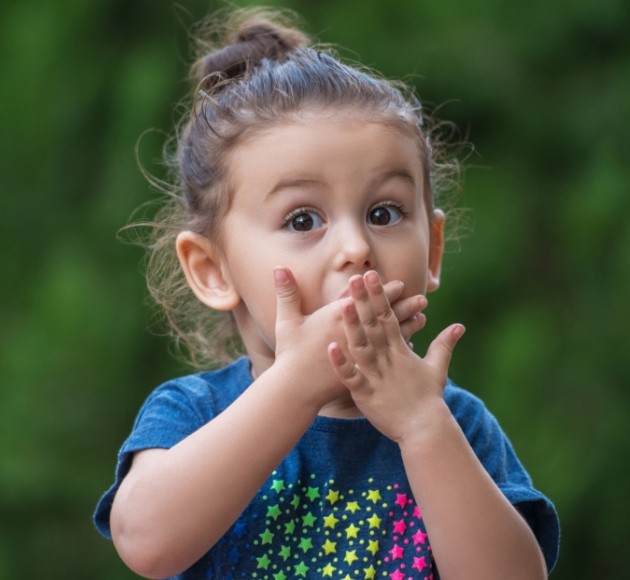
{"x": 302, "y": 340}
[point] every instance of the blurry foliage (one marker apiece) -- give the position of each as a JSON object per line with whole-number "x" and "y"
{"x": 543, "y": 91}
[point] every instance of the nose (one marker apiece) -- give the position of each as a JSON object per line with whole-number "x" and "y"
{"x": 353, "y": 248}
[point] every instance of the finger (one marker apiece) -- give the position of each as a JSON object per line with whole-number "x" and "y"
{"x": 412, "y": 325}
{"x": 409, "y": 314}
{"x": 394, "y": 290}
{"x": 441, "y": 349}
{"x": 383, "y": 312}
{"x": 364, "y": 304}
{"x": 347, "y": 372}
{"x": 358, "y": 342}
{"x": 288, "y": 300}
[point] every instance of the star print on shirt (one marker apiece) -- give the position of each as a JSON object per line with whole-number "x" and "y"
{"x": 316, "y": 529}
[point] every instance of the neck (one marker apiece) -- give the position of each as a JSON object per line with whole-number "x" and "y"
{"x": 341, "y": 408}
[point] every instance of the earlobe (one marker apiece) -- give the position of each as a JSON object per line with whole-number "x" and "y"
{"x": 436, "y": 250}
{"x": 202, "y": 264}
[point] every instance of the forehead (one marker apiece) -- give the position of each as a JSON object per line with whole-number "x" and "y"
{"x": 326, "y": 146}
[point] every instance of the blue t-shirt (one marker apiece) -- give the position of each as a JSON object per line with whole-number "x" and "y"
{"x": 339, "y": 505}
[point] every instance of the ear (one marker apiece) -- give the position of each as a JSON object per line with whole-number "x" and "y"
{"x": 436, "y": 250}
{"x": 203, "y": 267}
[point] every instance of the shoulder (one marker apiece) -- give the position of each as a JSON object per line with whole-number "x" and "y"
{"x": 185, "y": 403}
{"x": 484, "y": 434}
{"x": 217, "y": 388}
{"x": 468, "y": 409}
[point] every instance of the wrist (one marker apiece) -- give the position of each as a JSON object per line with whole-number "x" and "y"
{"x": 288, "y": 377}
{"x": 428, "y": 427}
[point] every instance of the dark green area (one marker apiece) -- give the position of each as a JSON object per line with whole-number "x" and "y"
{"x": 543, "y": 91}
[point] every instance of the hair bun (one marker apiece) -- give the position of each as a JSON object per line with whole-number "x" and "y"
{"x": 252, "y": 38}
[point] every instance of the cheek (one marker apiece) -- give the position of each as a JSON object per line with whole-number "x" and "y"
{"x": 412, "y": 268}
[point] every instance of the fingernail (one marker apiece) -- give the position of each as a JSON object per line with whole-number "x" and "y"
{"x": 280, "y": 276}
{"x": 459, "y": 330}
{"x": 356, "y": 283}
{"x": 371, "y": 277}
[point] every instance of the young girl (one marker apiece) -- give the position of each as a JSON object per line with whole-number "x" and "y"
{"x": 304, "y": 210}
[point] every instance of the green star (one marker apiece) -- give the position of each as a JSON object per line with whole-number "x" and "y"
{"x": 266, "y": 536}
{"x": 289, "y": 527}
{"x": 280, "y": 576}
{"x": 305, "y": 544}
{"x": 295, "y": 502}
{"x": 308, "y": 520}
{"x": 285, "y": 552}
{"x": 301, "y": 569}
{"x": 273, "y": 511}
{"x": 278, "y": 485}
{"x": 263, "y": 562}
{"x": 313, "y": 493}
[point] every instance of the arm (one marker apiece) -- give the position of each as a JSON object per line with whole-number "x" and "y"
{"x": 175, "y": 504}
{"x": 474, "y": 531}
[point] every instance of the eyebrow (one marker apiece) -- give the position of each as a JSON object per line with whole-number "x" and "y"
{"x": 375, "y": 182}
{"x": 398, "y": 172}
{"x": 291, "y": 184}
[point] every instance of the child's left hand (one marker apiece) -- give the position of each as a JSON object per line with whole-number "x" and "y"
{"x": 393, "y": 387}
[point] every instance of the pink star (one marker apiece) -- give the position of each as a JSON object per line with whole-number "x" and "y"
{"x": 419, "y": 537}
{"x": 396, "y": 552}
{"x": 401, "y": 500}
{"x": 419, "y": 563}
{"x": 400, "y": 526}
{"x": 417, "y": 513}
{"x": 398, "y": 575}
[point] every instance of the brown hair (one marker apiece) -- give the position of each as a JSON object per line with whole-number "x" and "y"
{"x": 255, "y": 69}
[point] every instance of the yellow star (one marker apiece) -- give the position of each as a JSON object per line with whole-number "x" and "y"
{"x": 373, "y": 547}
{"x": 350, "y": 556}
{"x": 352, "y": 531}
{"x": 332, "y": 497}
{"x": 374, "y": 521}
{"x": 328, "y": 570}
{"x": 370, "y": 573}
{"x": 330, "y": 521}
{"x": 329, "y": 547}
{"x": 374, "y": 495}
{"x": 352, "y": 506}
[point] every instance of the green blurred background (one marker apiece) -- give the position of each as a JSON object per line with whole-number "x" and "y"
{"x": 543, "y": 91}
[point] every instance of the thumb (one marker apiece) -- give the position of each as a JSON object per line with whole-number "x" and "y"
{"x": 287, "y": 294}
{"x": 441, "y": 349}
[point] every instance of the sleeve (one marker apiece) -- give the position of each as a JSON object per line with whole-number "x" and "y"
{"x": 167, "y": 417}
{"x": 497, "y": 455}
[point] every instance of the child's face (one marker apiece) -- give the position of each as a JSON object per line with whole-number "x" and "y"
{"x": 327, "y": 197}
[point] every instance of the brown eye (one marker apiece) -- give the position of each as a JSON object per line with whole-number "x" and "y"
{"x": 384, "y": 215}
{"x": 304, "y": 221}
